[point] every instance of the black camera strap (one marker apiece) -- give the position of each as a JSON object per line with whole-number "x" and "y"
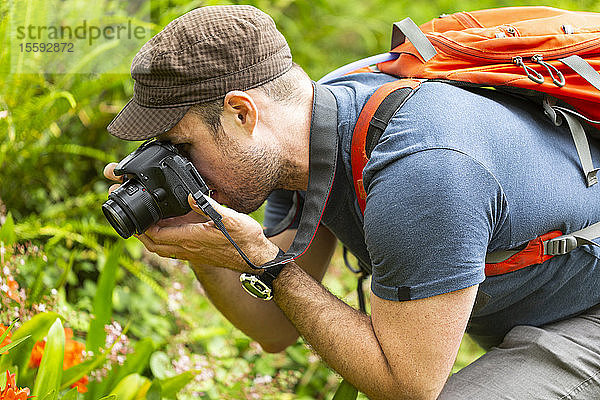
{"x": 323, "y": 150}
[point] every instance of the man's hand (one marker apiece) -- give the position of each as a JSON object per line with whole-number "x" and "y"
{"x": 203, "y": 243}
{"x": 195, "y": 238}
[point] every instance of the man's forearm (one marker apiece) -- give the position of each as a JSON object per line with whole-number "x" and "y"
{"x": 341, "y": 335}
{"x": 263, "y": 321}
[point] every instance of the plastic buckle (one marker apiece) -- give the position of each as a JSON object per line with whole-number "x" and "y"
{"x": 560, "y": 245}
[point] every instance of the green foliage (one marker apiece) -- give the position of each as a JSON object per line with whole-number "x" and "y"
{"x": 345, "y": 392}
{"x": 50, "y": 372}
{"x": 103, "y": 300}
{"x": 53, "y": 147}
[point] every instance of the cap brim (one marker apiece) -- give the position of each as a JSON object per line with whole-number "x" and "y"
{"x": 136, "y": 122}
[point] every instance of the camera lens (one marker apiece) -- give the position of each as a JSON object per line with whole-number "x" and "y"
{"x": 130, "y": 209}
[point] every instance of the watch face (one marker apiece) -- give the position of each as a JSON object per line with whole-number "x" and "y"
{"x": 255, "y": 287}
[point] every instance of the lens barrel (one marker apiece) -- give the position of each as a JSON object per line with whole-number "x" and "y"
{"x": 131, "y": 208}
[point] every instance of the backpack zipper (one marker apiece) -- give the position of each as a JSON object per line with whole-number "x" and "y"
{"x": 465, "y": 52}
{"x": 559, "y": 79}
{"x": 519, "y": 60}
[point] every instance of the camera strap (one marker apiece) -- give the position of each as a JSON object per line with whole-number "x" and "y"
{"x": 323, "y": 150}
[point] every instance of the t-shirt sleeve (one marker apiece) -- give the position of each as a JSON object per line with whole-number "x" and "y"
{"x": 282, "y": 212}
{"x": 428, "y": 221}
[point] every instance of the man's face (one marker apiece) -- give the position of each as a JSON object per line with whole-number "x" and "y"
{"x": 241, "y": 174}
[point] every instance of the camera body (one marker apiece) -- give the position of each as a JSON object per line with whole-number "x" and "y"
{"x": 156, "y": 182}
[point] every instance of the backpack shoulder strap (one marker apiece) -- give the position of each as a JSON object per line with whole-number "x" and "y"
{"x": 371, "y": 123}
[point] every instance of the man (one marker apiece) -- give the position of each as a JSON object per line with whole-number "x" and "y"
{"x": 456, "y": 174}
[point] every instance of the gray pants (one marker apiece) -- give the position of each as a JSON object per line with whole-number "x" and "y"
{"x": 555, "y": 361}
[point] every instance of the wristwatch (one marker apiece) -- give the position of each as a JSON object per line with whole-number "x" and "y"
{"x": 261, "y": 286}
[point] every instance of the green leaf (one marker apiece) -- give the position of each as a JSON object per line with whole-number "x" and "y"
{"x": 129, "y": 386}
{"x": 70, "y": 395}
{"x": 36, "y": 328}
{"x": 103, "y": 299}
{"x": 171, "y": 386}
{"x": 51, "y": 368}
{"x": 76, "y": 372}
{"x": 109, "y": 397}
{"x": 52, "y": 395}
{"x": 7, "y": 231}
{"x": 160, "y": 365}
{"x": 154, "y": 393}
{"x": 13, "y": 344}
{"x": 7, "y": 331}
{"x": 345, "y": 391}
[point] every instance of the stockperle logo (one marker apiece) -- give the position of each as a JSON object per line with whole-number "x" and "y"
{"x": 75, "y": 36}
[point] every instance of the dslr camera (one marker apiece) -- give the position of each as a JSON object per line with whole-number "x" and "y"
{"x": 157, "y": 179}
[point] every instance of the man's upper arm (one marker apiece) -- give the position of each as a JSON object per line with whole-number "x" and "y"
{"x": 420, "y": 338}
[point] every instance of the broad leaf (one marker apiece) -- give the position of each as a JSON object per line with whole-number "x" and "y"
{"x": 76, "y": 372}
{"x": 171, "y": 386}
{"x": 7, "y": 231}
{"x": 129, "y": 387}
{"x": 36, "y": 328}
{"x": 70, "y": 395}
{"x": 50, "y": 372}
{"x": 345, "y": 391}
{"x": 154, "y": 393}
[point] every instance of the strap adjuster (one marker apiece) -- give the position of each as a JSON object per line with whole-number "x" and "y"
{"x": 560, "y": 245}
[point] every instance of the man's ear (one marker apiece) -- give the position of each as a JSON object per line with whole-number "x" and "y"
{"x": 240, "y": 109}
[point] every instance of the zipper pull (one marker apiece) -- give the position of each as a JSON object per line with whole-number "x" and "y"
{"x": 531, "y": 73}
{"x": 539, "y": 59}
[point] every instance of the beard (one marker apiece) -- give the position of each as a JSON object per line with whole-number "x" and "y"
{"x": 256, "y": 172}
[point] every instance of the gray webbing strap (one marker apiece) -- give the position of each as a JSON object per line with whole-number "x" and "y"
{"x": 500, "y": 256}
{"x": 407, "y": 29}
{"x": 554, "y": 247}
{"x": 565, "y": 243}
{"x": 583, "y": 68}
{"x": 583, "y": 148}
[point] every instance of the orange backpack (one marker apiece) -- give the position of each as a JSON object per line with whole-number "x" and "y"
{"x": 551, "y": 55}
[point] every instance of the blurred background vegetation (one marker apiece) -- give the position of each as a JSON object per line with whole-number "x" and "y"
{"x": 53, "y": 147}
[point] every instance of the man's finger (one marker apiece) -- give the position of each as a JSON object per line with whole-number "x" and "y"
{"x": 189, "y": 218}
{"x": 113, "y": 188}
{"x": 173, "y": 235}
{"x": 109, "y": 172}
{"x": 163, "y": 250}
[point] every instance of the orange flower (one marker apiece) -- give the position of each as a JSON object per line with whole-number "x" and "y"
{"x": 73, "y": 356}
{"x": 13, "y": 289}
{"x": 36, "y": 354}
{"x": 11, "y": 392}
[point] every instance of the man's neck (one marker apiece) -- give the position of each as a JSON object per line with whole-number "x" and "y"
{"x": 295, "y": 139}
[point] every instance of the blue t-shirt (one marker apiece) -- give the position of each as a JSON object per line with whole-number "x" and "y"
{"x": 457, "y": 174}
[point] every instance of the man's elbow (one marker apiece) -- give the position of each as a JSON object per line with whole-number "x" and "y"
{"x": 277, "y": 346}
{"x": 395, "y": 389}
